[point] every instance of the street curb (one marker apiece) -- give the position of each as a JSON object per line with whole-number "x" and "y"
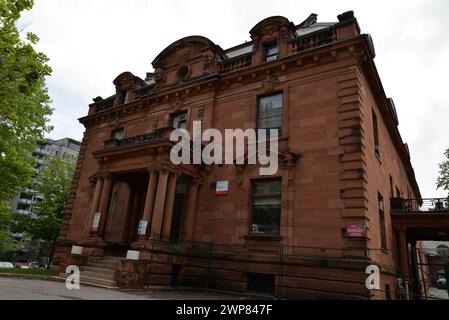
{"x": 31, "y": 277}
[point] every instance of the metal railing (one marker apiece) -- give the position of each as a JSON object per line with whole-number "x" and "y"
{"x": 236, "y": 63}
{"x": 425, "y": 205}
{"x": 313, "y": 40}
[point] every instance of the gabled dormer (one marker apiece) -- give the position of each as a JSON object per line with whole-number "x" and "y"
{"x": 126, "y": 85}
{"x": 185, "y": 60}
{"x": 270, "y": 38}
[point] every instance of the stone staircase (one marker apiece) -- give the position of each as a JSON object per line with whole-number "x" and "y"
{"x": 98, "y": 272}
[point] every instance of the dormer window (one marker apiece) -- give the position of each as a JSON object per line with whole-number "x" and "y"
{"x": 271, "y": 52}
{"x": 125, "y": 97}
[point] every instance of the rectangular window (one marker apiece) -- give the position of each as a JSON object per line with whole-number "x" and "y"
{"x": 266, "y": 206}
{"x": 391, "y": 188}
{"x": 125, "y": 97}
{"x": 179, "y": 121}
{"x": 118, "y": 134}
{"x": 382, "y": 226}
{"x": 269, "y": 115}
{"x": 376, "y": 135}
{"x": 271, "y": 52}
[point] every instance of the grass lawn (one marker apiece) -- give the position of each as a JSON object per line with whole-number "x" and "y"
{"x": 32, "y": 272}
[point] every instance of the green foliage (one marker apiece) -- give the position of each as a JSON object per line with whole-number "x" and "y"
{"x": 54, "y": 185}
{"x": 30, "y": 272}
{"x": 8, "y": 245}
{"x": 443, "y": 178}
{"x": 24, "y": 100}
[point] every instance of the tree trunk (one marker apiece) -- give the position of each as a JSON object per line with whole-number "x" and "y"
{"x": 52, "y": 251}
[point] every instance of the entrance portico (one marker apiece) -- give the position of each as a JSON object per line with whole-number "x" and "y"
{"x": 141, "y": 196}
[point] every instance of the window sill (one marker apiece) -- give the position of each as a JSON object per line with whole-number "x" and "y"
{"x": 263, "y": 236}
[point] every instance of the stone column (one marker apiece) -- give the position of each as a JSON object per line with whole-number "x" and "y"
{"x": 190, "y": 212}
{"x": 169, "y": 201}
{"x": 149, "y": 200}
{"x": 104, "y": 204}
{"x": 94, "y": 205}
{"x": 158, "y": 212}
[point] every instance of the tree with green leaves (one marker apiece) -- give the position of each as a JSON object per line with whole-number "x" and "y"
{"x": 24, "y": 100}
{"x": 443, "y": 178}
{"x": 24, "y": 109}
{"x": 53, "y": 184}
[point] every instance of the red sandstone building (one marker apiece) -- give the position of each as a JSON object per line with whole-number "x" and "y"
{"x": 309, "y": 231}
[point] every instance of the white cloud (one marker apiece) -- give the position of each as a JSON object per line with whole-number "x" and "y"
{"x": 91, "y": 42}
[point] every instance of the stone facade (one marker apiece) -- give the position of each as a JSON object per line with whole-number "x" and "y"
{"x": 332, "y": 167}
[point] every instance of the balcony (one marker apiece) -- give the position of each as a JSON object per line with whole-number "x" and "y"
{"x": 26, "y": 201}
{"x": 426, "y": 205}
{"x": 158, "y": 135}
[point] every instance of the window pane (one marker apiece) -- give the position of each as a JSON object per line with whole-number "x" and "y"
{"x": 118, "y": 134}
{"x": 266, "y": 210}
{"x": 271, "y": 186}
{"x": 126, "y": 97}
{"x": 179, "y": 121}
{"x": 266, "y": 218}
{"x": 270, "y": 112}
{"x": 271, "y": 52}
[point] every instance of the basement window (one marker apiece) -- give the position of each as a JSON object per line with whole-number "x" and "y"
{"x": 258, "y": 282}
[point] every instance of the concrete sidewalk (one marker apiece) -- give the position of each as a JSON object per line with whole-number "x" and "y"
{"x": 14, "y": 288}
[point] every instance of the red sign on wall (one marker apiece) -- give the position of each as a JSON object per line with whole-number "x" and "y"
{"x": 222, "y": 188}
{"x": 355, "y": 230}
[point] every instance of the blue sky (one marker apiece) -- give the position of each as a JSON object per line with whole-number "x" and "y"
{"x": 90, "y": 42}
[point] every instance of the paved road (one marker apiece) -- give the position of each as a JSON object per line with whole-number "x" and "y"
{"x": 30, "y": 289}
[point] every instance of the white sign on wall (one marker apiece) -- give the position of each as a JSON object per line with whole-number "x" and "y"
{"x": 143, "y": 224}
{"x": 222, "y": 188}
{"x": 96, "y": 222}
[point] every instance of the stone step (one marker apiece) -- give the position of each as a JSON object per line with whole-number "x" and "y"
{"x": 90, "y": 281}
{"x": 111, "y": 258}
{"x": 107, "y": 260}
{"x": 104, "y": 260}
{"x": 105, "y": 282}
{"x": 96, "y": 270}
{"x": 101, "y": 265}
{"x": 99, "y": 275}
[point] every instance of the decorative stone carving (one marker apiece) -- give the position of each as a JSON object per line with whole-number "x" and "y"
{"x": 155, "y": 123}
{"x": 270, "y": 83}
{"x": 178, "y": 104}
{"x": 159, "y": 76}
{"x": 200, "y": 113}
